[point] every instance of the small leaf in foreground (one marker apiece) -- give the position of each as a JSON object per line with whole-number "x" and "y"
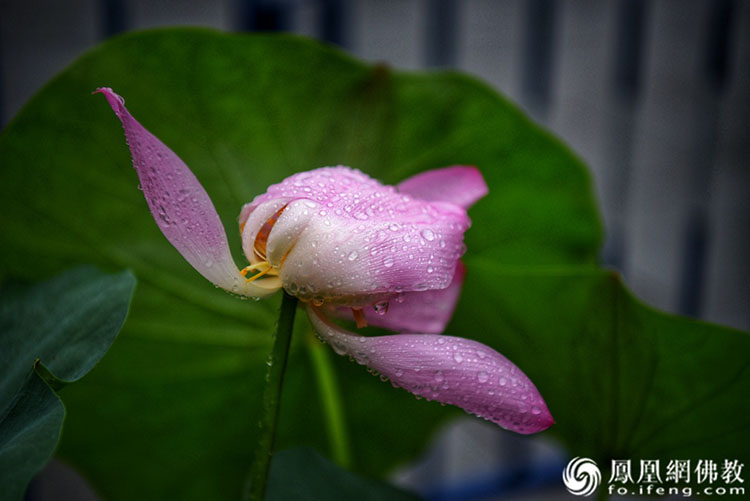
{"x": 61, "y": 328}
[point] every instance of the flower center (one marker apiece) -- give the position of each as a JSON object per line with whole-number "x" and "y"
{"x": 263, "y": 267}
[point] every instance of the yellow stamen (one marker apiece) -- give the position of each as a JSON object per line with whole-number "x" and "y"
{"x": 262, "y": 268}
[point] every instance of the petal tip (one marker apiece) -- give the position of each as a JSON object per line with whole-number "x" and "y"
{"x": 544, "y": 421}
{"x": 462, "y": 185}
{"x": 115, "y": 100}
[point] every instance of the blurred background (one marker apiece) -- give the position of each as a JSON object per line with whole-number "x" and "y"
{"x": 653, "y": 95}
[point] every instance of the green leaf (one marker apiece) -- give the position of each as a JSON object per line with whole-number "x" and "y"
{"x": 29, "y": 431}
{"x": 622, "y": 380}
{"x": 304, "y": 475}
{"x": 67, "y": 323}
{"x": 182, "y": 386}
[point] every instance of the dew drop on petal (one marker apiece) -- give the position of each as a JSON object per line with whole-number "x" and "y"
{"x": 458, "y": 357}
{"x": 381, "y": 308}
{"x": 352, "y": 255}
{"x": 482, "y": 377}
{"x": 339, "y": 348}
{"x": 428, "y": 234}
{"x": 388, "y": 262}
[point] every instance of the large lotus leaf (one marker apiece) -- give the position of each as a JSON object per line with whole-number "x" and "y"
{"x": 177, "y": 397}
{"x": 622, "y": 380}
{"x": 66, "y": 323}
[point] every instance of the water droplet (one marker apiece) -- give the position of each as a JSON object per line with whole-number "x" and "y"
{"x": 338, "y": 347}
{"x": 430, "y": 269}
{"x": 381, "y": 308}
{"x": 503, "y": 381}
{"x": 482, "y": 377}
{"x": 536, "y": 410}
{"x": 428, "y": 234}
{"x": 439, "y": 377}
{"x": 388, "y": 262}
{"x": 441, "y": 340}
{"x": 458, "y": 357}
{"x": 352, "y": 255}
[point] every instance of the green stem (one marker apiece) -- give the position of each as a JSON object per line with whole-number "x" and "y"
{"x": 271, "y": 398}
{"x": 331, "y": 397}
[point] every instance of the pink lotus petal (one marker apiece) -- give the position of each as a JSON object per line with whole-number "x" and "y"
{"x": 424, "y": 312}
{"x": 448, "y": 369}
{"x": 181, "y": 207}
{"x": 365, "y": 240}
{"x": 460, "y": 185}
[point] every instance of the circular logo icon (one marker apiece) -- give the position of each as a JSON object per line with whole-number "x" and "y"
{"x": 581, "y": 477}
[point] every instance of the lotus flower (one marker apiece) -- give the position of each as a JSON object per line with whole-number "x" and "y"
{"x": 345, "y": 244}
